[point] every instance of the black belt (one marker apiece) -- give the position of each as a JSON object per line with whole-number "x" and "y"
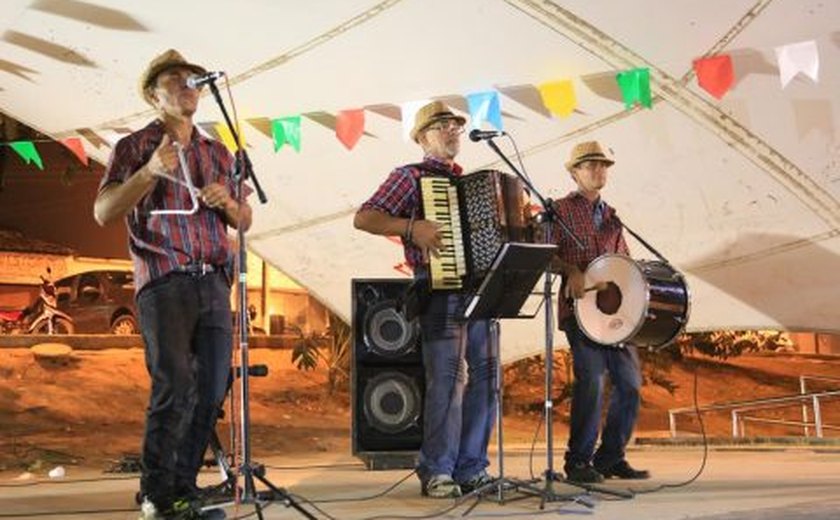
{"x": 198, "y": 269}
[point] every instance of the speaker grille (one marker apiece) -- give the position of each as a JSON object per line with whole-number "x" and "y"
{"x": 387, "y": 332}
{"x": 392, "y": 402}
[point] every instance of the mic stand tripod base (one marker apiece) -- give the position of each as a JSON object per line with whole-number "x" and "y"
{"x": 272, "y": 494}
{"x": 496, "y": 490}
{"x": 590, "y": 487}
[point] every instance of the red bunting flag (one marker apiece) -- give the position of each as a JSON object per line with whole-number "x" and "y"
{"x": 74, "y": 144}
{"x": 715, "y": 74}
{"x": 349, "y": 127}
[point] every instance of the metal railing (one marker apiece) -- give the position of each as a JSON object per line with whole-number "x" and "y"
{"x": 738, "y": 409}
{"x": 803, "y": 391}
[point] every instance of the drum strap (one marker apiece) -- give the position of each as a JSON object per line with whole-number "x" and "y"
{"x": 642, "y": 241}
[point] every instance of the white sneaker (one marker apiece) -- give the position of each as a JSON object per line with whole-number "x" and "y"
{"x": 148, "y": 511}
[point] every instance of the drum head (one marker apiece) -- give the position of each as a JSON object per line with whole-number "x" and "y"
{"x": 613, "y": 315}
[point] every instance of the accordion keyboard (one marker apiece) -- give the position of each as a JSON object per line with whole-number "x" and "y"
{"x": 440, "y": 204}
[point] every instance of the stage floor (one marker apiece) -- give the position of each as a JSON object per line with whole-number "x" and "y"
{"x": 767, "y": 483}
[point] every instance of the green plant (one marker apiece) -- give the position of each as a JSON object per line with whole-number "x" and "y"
{"x": 331, "y": 347}
{"x": 725, "y": 344}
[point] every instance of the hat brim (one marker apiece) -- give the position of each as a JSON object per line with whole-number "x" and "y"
{"x": 570, "y": 165}
{"x": 441, "y": 117}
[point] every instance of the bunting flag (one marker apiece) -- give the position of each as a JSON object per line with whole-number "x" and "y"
{"x": 715, "y": 74}
{"x": 635, "y": 86}
{"x": 404, "y": 268}
{"x": 558, "y": 97}
{"x": 74, "y": 144}
{"x": 349, "y": 127}
{"x": 27, "y": 152}
{"x": 408, "y": 110}
{"x": 485, "y": 106}
{"x": 798, "y": 57}
{"x": 286, "y": 130}
{"x": 227, "y": 138}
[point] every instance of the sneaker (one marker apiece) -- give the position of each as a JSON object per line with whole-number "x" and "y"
{"x": 477, "y": 481}
{"x": 148, "y": 510}
{"x": 582, "y": 472}
{"x": 181, "y": 509}
{"x": 441, "y": 486}
{"x": 622, "y": 469}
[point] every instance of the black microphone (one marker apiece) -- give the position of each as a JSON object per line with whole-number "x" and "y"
{"x": 198, "y": 81}
{"x": 479, "y": 135}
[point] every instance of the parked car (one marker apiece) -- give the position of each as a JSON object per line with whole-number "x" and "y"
{"x": 99, "y": 302}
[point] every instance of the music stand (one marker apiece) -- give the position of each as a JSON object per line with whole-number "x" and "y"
{"x": 508, "y": 283}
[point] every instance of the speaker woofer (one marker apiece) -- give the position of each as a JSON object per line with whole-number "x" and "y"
{"x": 387, "y": 332}
{"x": 392, "y": 402}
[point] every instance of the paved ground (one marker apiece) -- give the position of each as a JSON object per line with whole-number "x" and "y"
{"x": 769, "y": 483}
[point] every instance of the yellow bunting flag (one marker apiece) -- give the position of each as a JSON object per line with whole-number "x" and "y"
{"x": 558, "y": 97}
{"x": 227, "y": 138}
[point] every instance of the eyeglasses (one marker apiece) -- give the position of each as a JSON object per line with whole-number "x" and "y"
{"x": 593, "y": 165}
{"x": 450, "y": 125}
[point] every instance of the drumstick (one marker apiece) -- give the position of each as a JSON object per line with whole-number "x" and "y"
{"x": 599, "y": 286}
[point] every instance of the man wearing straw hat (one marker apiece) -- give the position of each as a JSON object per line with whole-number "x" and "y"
{"x": 182, "y": 270}
{"x": 596, "y": 224}
{"x": 459, "y": 364}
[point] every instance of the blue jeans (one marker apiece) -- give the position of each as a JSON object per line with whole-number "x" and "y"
{"x": 460, "y": 405}
{"x": 187, "y": 329}
{"x": 591, "y": 361}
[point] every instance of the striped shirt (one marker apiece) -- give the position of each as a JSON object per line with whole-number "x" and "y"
{"x": 159, "y": 244}
{"x": 399, "y": 196}
{"x": 578, "y": 213}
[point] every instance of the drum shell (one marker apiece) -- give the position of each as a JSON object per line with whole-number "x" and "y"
{"x": 654, "y": 304}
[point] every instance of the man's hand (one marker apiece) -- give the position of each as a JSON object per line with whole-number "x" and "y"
{"x": 427, "y": 236}
{"x": 164, "y": 160}
{"x": 216, "y": 196}
{"x": 575, "y": 285}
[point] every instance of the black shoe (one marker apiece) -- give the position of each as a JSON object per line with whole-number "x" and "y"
{"x": 582, "y": 472}
{"x": 623, "y": 470}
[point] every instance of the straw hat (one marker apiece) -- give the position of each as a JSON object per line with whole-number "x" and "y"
{"x": 432, "y": 113}
{"x": 588, "y": 151}
{"x": 167, "y": 60}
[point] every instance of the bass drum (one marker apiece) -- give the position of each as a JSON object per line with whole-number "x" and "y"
{"x": 644, "y": 303}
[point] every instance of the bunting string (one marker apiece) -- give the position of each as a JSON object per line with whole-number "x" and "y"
{"x": 715, "y": 75}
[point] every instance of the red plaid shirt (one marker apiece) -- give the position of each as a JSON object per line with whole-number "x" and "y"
{"x": 577, "y": 212}
{"x": 399, "y": 196}
{"x": 160, "y": 243}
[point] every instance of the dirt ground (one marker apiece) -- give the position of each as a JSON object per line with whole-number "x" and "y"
{"x": 87, "y": 410}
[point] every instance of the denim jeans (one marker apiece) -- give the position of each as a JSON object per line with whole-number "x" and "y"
{"x": 187, "y": 329}
{"x": 460, "y": 405}
{"x": 591, "y": 361}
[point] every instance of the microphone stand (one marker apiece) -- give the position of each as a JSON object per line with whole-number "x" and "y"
{"x": 547, "y": 494}
{"x": 249, "y": 470}
{"x": 550, "y": 216}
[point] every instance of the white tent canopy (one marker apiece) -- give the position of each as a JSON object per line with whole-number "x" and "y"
{"x": 741, "y": 194}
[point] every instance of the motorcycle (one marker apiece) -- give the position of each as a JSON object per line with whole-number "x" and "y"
{"x": 42, "y": 317}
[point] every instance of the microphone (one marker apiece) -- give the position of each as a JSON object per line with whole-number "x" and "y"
{"x": 480, "y": 135}
{"x": 198, "y": 81}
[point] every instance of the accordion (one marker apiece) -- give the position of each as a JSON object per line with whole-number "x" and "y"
{"x": 478, "y": 213}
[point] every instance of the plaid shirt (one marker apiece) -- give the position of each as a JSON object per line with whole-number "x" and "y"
{"x": 160, "y": 243}
{"x": 577, "y": 212}
{"x": 399, "y": 196}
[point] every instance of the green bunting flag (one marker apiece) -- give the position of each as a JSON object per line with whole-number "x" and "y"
{"x": 635, "y": 86}
{"x": 286, "y": 130}
{"x": 27, "y": 152}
